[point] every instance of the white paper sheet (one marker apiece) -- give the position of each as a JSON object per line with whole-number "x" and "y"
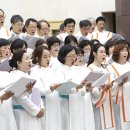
{"x": 93, "y": 76}
{"x": 101, "y": 81}
{"x": 122, "y": 77}
{"x": 66, "y": 85}
{"x": 19, "y": 87}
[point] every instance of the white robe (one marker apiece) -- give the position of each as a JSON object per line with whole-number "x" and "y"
{"x": 122, "y": 96}
{"x": 52, "y": 100}
{"x": 64, "y": 73}
{"x": 79, "y": 35}
{"x": 102, "y": 101}
{"x": 80, "y": 103}
{"x": 42, "y": 37}
{"x": 7, "y": 120}
{"x": 72, "y": 104}
{"x": 54, "y": 64}
{"x": 101, "y": 36}
{"x": 25, "y": 118}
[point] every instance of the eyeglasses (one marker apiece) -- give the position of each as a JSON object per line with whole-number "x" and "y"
{"x": 72, "y": 56}
{"x": 32, "y": 27}
{"x": 73, "y": 44}
{"x": 56, "y": 45}
{"x": 19, "y": 25}
{"x": 45, "y": 29}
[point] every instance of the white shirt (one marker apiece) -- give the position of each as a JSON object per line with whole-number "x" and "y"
{"x": 62, "y": 36}
{"x": 42, "y": 37}
{"x": 14, "y": 36}
{"x": 79, "y": 35}
{"x": 102, "y": 36}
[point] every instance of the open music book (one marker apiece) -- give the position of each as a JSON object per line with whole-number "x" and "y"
{"x": 101, "y": 81}
{"x": 122, "y": 77}
{"x": 93, "y": 76}
{"x": 65, "y": 87}
{"x": 96, "y": 78}
{"x": 20, "y": 86}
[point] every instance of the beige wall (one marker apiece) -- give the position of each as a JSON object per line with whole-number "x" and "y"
{"x": 56, "y": 10}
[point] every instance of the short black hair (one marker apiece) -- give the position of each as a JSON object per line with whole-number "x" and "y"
{"x": 17, "y": 44}
{"x": 69, "y": 39}
{"x": 16, "y": 18}
{"x": 84, "y": 43}
{"x": 39, "y": 23}
{"x": 84, "y": 23}
{"x": 79, "y": 51}
{"x": 40, "y": 42}
{"x": 107, "y": 45}
{"x": 27, "y": 22}
{"x": 4, "y": 42}
{"x": 94, "y": 41}
{"x": 17, "y": 56}
{"x": 100, "y": 18}
{"x": 64, "y": 50}
{"x": 61, "y": 26}
{"x": 68, "y": 21}
{"x": 51, "y": 40}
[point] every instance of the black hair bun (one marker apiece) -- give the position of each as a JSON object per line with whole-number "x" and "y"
{"x": 12, "y": 63}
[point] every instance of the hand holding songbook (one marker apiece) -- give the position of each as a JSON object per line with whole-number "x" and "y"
{"x": 6, "y": 96}
{"x": 99, "y": 83}
{"x": 65, "y": 87}
{"x": 30, "y": 86}
{"x": 89, "y": 87}
{"x": 81, "y": 85}
{"x": 93, "y": 76}
{"x": 20, "y": 86}
{"x": 123, "y": 78}
{"x": 41, "y": 113}
{"x": 107, "y": 86}
{"x": 54, "y": 86}
{"x": 123, "y": 81}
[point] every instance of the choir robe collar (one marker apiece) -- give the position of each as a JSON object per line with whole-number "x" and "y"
{"x": 66, "y": 67}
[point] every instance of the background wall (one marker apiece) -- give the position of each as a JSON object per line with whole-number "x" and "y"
{"x": 123, "y": 18}
{"x": 56, "y": 10}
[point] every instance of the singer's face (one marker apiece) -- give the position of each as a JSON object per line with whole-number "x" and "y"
{"x": 5, "y": 51}
{"x": 70, "y": 28}
{"x": 70, "y": 58}
{"x": 45, "y": 29}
